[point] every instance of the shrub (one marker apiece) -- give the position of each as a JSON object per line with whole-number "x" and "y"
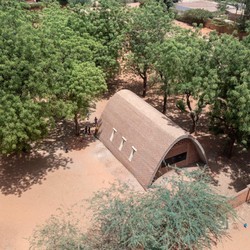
{"x": 25, "y": 6}
{"x": 189, "y": 215}
{"x": 60, "y": 231}
{"x": 198, "y": 16}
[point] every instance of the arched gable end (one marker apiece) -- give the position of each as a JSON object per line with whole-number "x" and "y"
{"x": 139, "y": 136}
{"x": 182, "y": 152}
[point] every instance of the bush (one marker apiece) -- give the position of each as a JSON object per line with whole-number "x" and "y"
{"x": 61, "y": 231}
{"x": 198, "y": 16}
{"x": 189, "y": 215}
{"x": 25, "y": 6}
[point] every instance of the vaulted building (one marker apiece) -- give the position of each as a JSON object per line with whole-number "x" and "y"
{"x": 144, "y": 140}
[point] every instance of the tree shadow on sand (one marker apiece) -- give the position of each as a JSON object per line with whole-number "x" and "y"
{"x": 63, "y": 137}
{"x": 125, "y": 81}
{"x": 19, "y": 172}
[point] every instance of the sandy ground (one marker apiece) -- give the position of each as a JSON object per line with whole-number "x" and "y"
{"x": 203, "y": 4}
{"x": 206, "y": 5}
{"x": 239, "y": 236}
{"x": 29, "y": 197}
{"x": 33, "y": 187}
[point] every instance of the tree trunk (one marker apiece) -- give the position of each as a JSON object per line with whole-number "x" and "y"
{"x": 165, "y": 102}
{"x": 188, "y": 101}
{"x": 145, "y": 83}
{"x": 228, "y": 151}
{"x": 247, "y": 10}
{"x": 77, "y": 126}
{"x": 194, "y": 117}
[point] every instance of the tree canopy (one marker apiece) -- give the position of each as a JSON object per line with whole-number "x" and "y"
{"x": 54, "y": 62}
{"x": 228, "y": 88}
{"x": 48, "y": 71}
{"x": 148, "y": 26}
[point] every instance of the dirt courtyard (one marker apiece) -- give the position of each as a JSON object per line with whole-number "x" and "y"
{"x": 32, "y": 187}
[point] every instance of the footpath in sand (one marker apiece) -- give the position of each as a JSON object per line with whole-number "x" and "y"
{"x": 35, "y": 190}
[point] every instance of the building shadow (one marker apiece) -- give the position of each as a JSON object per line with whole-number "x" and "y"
{"x": 237, "y": 167}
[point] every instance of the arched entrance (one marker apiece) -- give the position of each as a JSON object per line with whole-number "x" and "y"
{"x": 186, "y": 152}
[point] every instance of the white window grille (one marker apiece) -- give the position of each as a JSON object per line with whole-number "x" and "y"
{"x": 112, "y": 134}
{"x": 132, "y": 153}
{"x": 122, "y": 143}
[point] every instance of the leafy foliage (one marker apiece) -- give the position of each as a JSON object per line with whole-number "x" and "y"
{"x": 48, "y": 71}
{"x": 107, "y": 23}
{"x": 189, "y": 215}
{"x": 148, "y": 26}
{"x": 229, "y": 88}
{"x": 22, "y": 116}
{"x": 181, "y": 63}
{"x": 198, "y": 16}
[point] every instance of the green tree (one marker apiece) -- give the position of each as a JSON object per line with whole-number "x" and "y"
{"x": 167, "y": 63}
{"x": 47, "y": 70}
{"x": 75, "y": 79}
{"x": 107, "y": 24}
{"x": 181, "y": 63}
{"x": 85, "y": 83}
{"x": 22, "y": 121}
{"x": 229, "y": 88}
{"x": 23, "y": 115}
{"x": 194, "y": 67}
{"x": 148, "y": 26}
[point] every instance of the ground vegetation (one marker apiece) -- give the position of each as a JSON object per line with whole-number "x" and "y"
{"x": 186, "y": 215}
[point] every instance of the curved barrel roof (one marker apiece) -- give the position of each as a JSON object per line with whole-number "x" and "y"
{"x": 145, "y": 129}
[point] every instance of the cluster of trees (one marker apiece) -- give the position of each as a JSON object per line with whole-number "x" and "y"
{"x": 53, "y": 62}
{"x": 215, "y": 72}
{"x": 187, "y": 216}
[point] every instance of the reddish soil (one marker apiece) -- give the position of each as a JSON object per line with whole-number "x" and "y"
{"x": 203, "y": 31}
{"x": 34, "y": 185}
{"x": 239, "y": 236}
